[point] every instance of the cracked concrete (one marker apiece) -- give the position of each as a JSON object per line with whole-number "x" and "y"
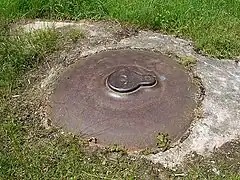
{"x": 221, "y": 79}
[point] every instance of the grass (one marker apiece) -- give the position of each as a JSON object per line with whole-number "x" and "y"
{"x": 23, "y": 52}
{"x": 213, "y": 25}
{"x": 224, "y": 164}
{"x": 28, "y": 151}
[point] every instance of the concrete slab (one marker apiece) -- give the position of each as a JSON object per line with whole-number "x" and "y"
{"x": 221, "y": 79}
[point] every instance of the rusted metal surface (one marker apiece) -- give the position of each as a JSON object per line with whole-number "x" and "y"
{"x": 124, "y": 97}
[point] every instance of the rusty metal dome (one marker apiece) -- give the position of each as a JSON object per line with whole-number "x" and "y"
{"x": 124, "y": 97}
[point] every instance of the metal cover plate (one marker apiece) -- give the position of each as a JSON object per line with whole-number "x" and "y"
{"x": 158, "y": 99}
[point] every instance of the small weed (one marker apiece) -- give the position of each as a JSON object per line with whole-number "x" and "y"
{"x": 115, "y": 149}
{"x": 75, "y": 34}
{"x": 148, "y": 151}
{"x": 163, "y": 141}
{"x": 187, "y": 61}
